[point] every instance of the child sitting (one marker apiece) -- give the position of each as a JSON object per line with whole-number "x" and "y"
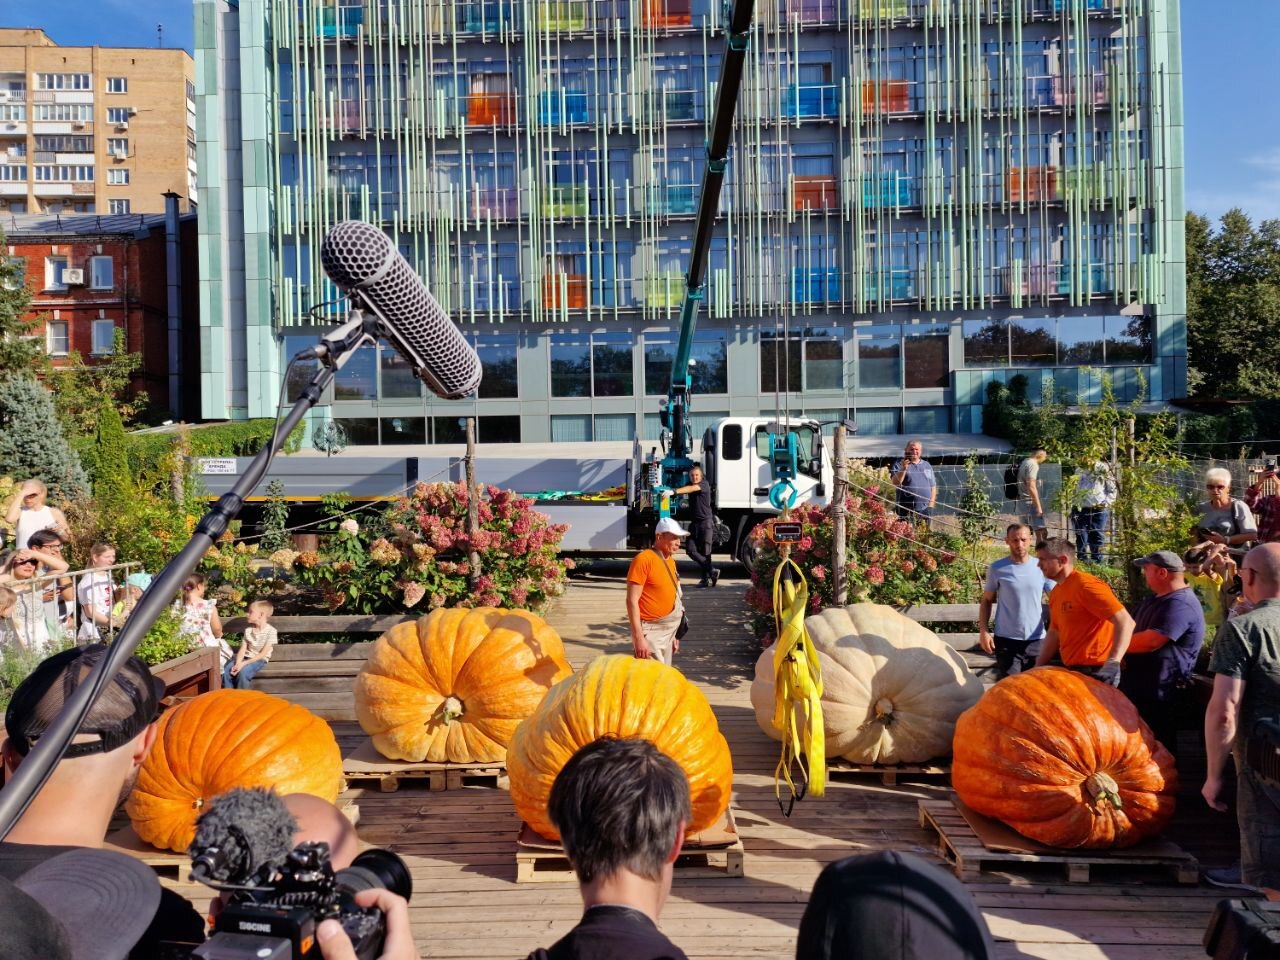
{"x": 127, "y": 596}
{"x": 200, "y": 623}
{"x": 255, "y": 647}
{"x": 1210, "y": 572}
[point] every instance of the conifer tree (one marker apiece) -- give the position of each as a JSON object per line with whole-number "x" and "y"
{"x": 32, "y": 444}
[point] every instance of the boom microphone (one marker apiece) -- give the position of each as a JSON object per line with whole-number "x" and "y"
{"x": 242, "y": 838}
{"x": 361, "y": 260}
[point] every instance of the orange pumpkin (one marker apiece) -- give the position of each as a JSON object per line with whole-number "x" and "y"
{"x": 1064, "y": 760}
{"x": 222, "y": 740}
{"x": 454, "y": 685}
{"x": 623, "y": 697}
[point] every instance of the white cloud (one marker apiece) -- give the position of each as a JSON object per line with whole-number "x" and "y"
{"x": 1256, "y": 190}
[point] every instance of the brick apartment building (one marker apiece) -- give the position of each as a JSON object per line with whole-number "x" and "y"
{"x": 94, "y": 276}
{"x": 103, "y": 130}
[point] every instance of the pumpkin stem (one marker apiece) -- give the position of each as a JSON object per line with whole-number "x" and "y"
{"x": 450, "y": 710}
{"x": 1103, "y": 788}
{"x": 884, "y": 710}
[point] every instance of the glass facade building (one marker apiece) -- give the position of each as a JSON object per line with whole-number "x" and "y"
{"x": 923, "y": 196}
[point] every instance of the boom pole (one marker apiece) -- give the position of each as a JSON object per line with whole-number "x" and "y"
{"x": 676, "y": 463}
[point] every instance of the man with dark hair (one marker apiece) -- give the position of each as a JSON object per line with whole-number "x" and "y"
{"x": 1088, "y": 626}
{"x": 73, "y": 808}
{"x": 1029, "y": 492}
{"x": 1017, "y": 586}
{"x": 702, "y": 526}
{"x": 621, "y": 807}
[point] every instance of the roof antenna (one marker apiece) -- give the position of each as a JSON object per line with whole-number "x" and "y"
{"x": 159, "y": 34}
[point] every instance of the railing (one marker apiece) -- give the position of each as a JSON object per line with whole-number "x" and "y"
{"x": 564, "y": 290}
{"x": 816, "y": 192}
{"x": 1032, "y": 183}
{"x": 891, "y": 189}
{"x": 810, "y": 100}
{"x": 666, "y": 13}
{"x": 49, "y": 610}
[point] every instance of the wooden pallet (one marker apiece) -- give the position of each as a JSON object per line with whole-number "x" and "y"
{"x": 717, "y": 852}
{"x": 972, "y": 843}
{"x": 840, "y": 769}
{"x": 177, "y": 866}
{"x": 364, "y": 765}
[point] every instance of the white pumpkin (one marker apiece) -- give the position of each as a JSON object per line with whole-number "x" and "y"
{"x": 891, "y": 690}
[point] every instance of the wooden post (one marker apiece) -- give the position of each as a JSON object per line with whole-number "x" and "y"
{"x": 473, "y": 501}
{"x": 839, "y": 490}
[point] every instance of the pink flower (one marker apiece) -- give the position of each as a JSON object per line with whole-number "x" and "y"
{"x": 948, "y": 556}
{"x": 907, "y": 567}
{"x": 880, "y": 524}
{"x": 349, "y": 526}
{"x": 815, "y": 603}
{"x": 819, "y": 572}
{"x": 413, "y": 592}
{"x": 806, "y": 543}
{"x": 875, "y": 575}
{"x": 929, "y": 563}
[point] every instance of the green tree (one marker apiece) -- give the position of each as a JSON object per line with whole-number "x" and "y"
{"x": 31, "y": 442}
{"x": 20, "y": 353}
{"x": 82, "y": 391}
{"x": 113, "y": 484}
{"x": 1233, "y": 306}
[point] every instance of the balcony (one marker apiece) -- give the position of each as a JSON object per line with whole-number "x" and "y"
{"x": 500, "y": 203}
{"x": 666, "y": 13}
{"x": 664, "y": 288}
{"x": 1055, "y": 279}
{"x": 673, "y": 199}
{"x": 500, "y": 293}
{"x": 562, "y": 16}
{"x": 886, "y": 96}
{"x": 491, "y": 109}
{"x": 342, "y": 23}
{"x": 815, "y": 285}
{"x": 815, "y": 192}
{"x": 556, "y": 107}
{"x": 1091, "y": 89}
{"x": 896, "y": 283}
{"x": 807, "y": 101}
{"x": 881, "y": 9}
{"x": 888, "y": 190}
{"x": 484, "y": 17}
{"x": 1030, "y": 184}
{"x": 811, "y": 11}
{"x": 565, "y": 200}
{"x": 564, "y": 291}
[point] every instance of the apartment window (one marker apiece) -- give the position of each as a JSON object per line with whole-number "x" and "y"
{"x": 358, "y": 380}
{"x": 13, "y": 173}
{"x": 10, "y": 112}
{"x": 811, "y": 360}
{"x": 101, "y": 273}
{"x": 64, "y": 112}
{"x": 191, "y": 90}
{"x": 118, "y": 176}
{"x": 104, "y": 337}
{"x": 57, "y": 338}
{"x": 117, "y": 114}
{"x": 117, "y": 84}
{"x": 404, "y": 429}
{"x": 926, "y": 355}
{"x": 63, "y": 143}
{"x": 986, "y": 343}
{"x": 611, "y": 365}
{"x": 53, "y": 270}
{"x": 709, "y": 372}
{"x": 117, "y": 206}
{"x": 118, "y": 146}
{"x": 398, "y": 379}
{"x": 360, "y": 431}
{"x": 503, "y": 429}
{"x": 1128, "y": 339}
{"x": 1080, "y": 341}
{"x": 1032, "y": 342}
{"x": 879, "y": 357}
{"x": 63, "y": 81}
{"x": 780, "y": 363}
{"x": 570, "y": 366}
{"x": 63, "y": 173}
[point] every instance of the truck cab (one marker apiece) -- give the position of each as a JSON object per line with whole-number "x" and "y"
{"x": 736, "y": 459}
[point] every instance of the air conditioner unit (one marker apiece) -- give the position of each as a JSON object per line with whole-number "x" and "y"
{"x": 77, "y": 125}
{"x": 73, "y": 277}
{"x": 122, "y": 125}
{"x": 133, "y": 111}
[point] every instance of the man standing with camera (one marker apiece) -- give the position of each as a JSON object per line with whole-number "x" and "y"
{"x": 915, "y": 483}
{"x": 1243, "y": 720}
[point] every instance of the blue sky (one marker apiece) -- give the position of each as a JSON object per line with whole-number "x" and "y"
{"x": 1230, "y": 51}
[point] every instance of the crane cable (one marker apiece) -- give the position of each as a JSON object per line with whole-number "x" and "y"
{"x": 797, "y": 686}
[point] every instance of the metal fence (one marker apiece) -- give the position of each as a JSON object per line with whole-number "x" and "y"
{"x": 55, "y": 608}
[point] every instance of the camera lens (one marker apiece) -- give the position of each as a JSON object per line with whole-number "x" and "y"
{"x": 374, "y": 869}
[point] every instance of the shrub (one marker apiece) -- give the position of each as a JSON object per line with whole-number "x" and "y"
{"x": 32, "y": 443}
{"x": 17, "y": 663}
{"x": 888, "y": 560}
{"x": 165, "y": 640}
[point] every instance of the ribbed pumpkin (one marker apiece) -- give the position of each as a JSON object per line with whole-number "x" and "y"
{"x": 222, "y": 740}
{"x": 623, "y": 697}
{"x": 454, "y": 685}
{"x": 1064, "y": 760}
{"x": 891, "y": 690}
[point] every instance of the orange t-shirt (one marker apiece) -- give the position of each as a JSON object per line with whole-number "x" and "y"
{"x": 658, "y": 596}
{"x": 1080, "y": 609}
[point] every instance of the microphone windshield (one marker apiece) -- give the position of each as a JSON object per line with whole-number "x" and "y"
{"x": 243, "y": 831}
{"x": 362, "y": 260}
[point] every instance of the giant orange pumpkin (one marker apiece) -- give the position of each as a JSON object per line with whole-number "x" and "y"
{"x": 222, "y": 740}
{"x": 623, "y": 697}
{"x": 454, "y": 685}
{"x": 1065, "y": 760}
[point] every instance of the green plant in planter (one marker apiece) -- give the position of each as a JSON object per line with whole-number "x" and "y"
{"x": 164, "y": 641}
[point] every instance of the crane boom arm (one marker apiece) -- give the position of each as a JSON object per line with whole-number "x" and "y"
{"x": 737, "y": 31}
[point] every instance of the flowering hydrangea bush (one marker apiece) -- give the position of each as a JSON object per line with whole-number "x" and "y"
{"x": 417, "y": 554}
{"x": 888, "y": 560}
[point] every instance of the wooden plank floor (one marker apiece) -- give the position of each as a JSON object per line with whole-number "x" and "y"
{"x": 460, "y": 844}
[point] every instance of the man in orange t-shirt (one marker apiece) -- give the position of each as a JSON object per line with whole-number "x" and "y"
{"x": 1088, "y": 626}
{"x": 654, "y": 607}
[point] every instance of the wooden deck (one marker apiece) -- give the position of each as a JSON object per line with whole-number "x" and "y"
{"x": 460, "y": 843}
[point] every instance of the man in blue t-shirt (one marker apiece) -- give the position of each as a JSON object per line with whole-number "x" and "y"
{"x": 1017, "y": 586}
{"x": 917, "y": 489}
{"x": 1167, "y": 636}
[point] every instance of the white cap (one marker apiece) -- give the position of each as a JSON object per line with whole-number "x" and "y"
{"x": 667, "y": 525}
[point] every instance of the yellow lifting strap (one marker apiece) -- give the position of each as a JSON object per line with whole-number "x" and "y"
{"x": 797, "y": 683}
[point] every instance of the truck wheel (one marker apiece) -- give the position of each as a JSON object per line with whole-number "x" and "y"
{"x": 746, "y": 552}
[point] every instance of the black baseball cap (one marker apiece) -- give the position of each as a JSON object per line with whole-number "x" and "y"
{"x": 127, "y": 704}
{"x": 77, "y": 905}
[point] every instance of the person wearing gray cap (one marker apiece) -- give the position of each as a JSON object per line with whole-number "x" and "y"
{"x": 1168, "y": 633}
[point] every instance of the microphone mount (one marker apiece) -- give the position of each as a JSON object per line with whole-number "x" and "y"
{"x": 333, "y": 351}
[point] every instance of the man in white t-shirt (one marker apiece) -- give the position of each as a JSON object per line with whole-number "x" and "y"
{"x": 1029, "y": 493}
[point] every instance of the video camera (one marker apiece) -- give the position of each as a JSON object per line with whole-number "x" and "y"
{"x": 277, "y": 896}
